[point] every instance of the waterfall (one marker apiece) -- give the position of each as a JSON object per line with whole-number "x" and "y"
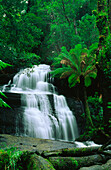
{"x": 40, "y": 118}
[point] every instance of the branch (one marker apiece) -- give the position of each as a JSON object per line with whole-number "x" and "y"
{"x": 65, "y": 12}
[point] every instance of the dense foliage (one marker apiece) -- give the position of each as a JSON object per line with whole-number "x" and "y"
{"x": 29, "y": 29}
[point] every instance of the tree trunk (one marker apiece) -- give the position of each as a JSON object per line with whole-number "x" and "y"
{"x": 65, "y": 13}
{"x": 28, "y": 6}
{"x": 75, "y": 27}
{"x": 89, "y": 122}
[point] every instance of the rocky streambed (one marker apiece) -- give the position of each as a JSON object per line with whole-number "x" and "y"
{"x": 48, "y": 154}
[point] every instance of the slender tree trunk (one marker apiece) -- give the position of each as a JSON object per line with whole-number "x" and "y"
{"x": 75, "y": 27}
{"x": 65, "y": 12}
{"x": 28, "y": 6}
{"x": 89, "y": 122}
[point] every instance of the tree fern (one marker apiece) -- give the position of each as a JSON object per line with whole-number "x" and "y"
{"x": 78, "y": 62}
{"x": 79, "y": 66}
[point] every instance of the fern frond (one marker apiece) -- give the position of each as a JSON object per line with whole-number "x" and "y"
{"x": 3, "y": 65}
{"x": 2, "y": 103}
{"x": 91, "y": 70}
{"x": 93, "y": 47}
{"x": 75, "y": 55}
{"x": 72, "y": 80}
{"x": 66, "y": 74}
{"x": 59, "y": 71}
{"x": 89, "y": 63}
{"x": 2, "y": 94}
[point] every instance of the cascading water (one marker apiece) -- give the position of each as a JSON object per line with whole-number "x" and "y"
{"x": 41, "y": 119}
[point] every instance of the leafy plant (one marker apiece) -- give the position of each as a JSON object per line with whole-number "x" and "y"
{"x": 2, "y": 103}
{"x": 28, "y": 60}
{"x": 79, "y": 66}
{"x": 76, "y": 63}
{"x": 96, "y": 109}
{"x": 3, "y": 65}
{"x": 12, "y": 158}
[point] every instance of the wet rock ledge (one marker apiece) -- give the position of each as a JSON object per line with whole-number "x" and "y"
{"x": 45, "y": 154}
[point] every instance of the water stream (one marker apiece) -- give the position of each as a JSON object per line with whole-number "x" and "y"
{"x": 41, "y": 118}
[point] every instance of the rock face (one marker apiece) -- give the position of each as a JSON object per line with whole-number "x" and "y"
{"x": 78, "y": 109}
{"x": 11, "y": 120}
{"x": 38, "y": 162}
{"x": 106, "y": 166}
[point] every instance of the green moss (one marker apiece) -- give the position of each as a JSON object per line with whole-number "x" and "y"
{"x": 4, "y": 159}
{"x": 64, "y": 163}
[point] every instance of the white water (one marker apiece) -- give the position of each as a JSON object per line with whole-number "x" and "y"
{"x": 41, "y": 120}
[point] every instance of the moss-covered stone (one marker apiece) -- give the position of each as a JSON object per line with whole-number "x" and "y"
{"x": 71, "y": 152}
{"x": 64, "y": 163}
{"x": 73, "y": 163}
{"x": 39, "y": 163}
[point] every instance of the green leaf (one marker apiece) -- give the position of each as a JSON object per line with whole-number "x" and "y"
{"x": 93, "y": 75}
{"x": 2, "y": 103}
{"x": 59, "y": 71}
{"x": 2, "y": 94}
{"x": 87, "y": 81}
{"x": 3, "y": 65}
{"x": 72, "y": 80}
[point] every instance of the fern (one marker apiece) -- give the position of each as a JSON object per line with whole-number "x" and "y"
{"x": 75, "y": 63}
{"x": 3, "y": 65}
{"x": 2, "y": 103}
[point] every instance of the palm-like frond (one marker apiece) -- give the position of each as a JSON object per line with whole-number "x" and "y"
{"x": 75, "y": 55}
{"x": 3, "y": 65}
{"x": 90, "y": 70}
{"x": 66, "y": 74}
{"x": 73, "y": 79}
{"x": 2, "y": 103}
{"x": 71, "y": 56}
{"x": 75, "y": 63}
{"x": 59, "y": 71}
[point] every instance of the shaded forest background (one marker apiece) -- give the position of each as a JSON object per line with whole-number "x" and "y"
{"x": 33, "y": 32}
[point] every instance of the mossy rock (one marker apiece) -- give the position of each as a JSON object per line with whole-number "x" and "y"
{"x": 73, "y": 163}
{"x": 29, "y": 160}
{"x": 64, "y": 163}
{"x": 39, "y": 163}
